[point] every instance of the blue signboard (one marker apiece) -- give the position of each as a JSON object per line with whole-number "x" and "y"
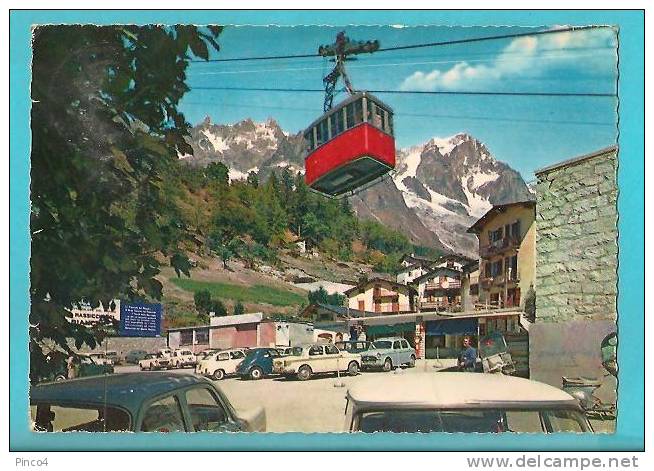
{"x": 140, "y": 320}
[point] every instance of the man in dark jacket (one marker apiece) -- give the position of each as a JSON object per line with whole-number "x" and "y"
{"x": 468, "y": 356}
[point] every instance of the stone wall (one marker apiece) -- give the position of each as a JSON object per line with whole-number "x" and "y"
{"x": 576, "y": 245}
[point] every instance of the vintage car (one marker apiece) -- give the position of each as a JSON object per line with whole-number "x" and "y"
{"x": 134, "y": 356}
{"x": 220, "y": 364}
{"x": 100, "y": 358}
{"x": 138, "y": 402}
{"x": 307, "y": 360}
{"x": 84, "y": 365}
{"x": 353, "y": 346}
{"x": 460, "y": 402}
{"x": 388, "y": 353}
{"x": 154, "y": 361}
{"x": 182, "y": 357}
{"x": 258, "y": 362}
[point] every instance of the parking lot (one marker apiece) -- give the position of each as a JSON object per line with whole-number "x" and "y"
{"x": 316, "y": 405}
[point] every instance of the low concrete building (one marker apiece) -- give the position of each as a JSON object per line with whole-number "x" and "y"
{"x": 576, "y": 274}
{"x": 245, "y": 330}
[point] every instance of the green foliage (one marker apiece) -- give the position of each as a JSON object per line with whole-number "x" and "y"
{"x": 252, "y": 294}
{"x": 388, "y": 263}
{"x": 202, "y": 300}
{"x": 106, "y": 133}
{"x": 217, "y": 172}
{"x": 387, "y": 241}
{"x": 320, "y": 296}
{"x": 239, "y": 308}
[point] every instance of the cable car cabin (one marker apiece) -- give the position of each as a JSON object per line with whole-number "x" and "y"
{"x": 350, "y": 145}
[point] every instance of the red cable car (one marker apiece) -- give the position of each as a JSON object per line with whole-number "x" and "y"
{"x": 350, "y": 145}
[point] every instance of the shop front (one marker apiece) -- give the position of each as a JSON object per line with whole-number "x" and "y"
{"x": 406, "y": 330}
{"x": 444, "y": 337}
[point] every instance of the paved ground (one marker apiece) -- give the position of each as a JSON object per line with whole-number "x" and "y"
{"x": 316, "y": 405}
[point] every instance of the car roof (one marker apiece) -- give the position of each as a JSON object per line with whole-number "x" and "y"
{"x": 443, "y": 389}
{"x": 126, "y": 390}
{"x": 389, "y": 339}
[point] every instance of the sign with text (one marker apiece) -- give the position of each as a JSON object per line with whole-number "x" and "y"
{"x": 140, "y": 319}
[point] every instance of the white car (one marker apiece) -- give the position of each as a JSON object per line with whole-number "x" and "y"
{"x": 220, "y": 364}
{"x": 307, "y": 360}
{"x": 181, "y": 358}
{"x": 100, "y": 359}
{"x": 460, "y": 402}
{"x": 154, "y": 361}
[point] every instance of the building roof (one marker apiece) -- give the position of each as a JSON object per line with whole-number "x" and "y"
{"x": 342, "y": 311}
{"x": 462, "y": 259}
{"x": 417, "y": 260}
{"x": 413, "y": 266}
{"x": 478, "y": 226}
{"x": 470, "y": 267}
{"x": 577, "y": 160}
{"x": 470, "y": 390}
{"x": 372, "y": 281}
{"x": 127, "y": 390}
{"x": 439, "y": 271}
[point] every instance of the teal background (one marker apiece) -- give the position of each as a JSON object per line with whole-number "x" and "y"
{"x": 630, "y": 426}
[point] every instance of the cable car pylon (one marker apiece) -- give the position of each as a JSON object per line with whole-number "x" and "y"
{"x": 340, "y": 50}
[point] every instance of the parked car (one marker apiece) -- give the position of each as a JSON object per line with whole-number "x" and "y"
{"x": 284, "y": 351}
{"x": 205, "y": 353}
{"x": 154, "y": 361}
{"x": 182, "y": 357}
{"x": 220, "y": 364}
{"x": 354, "y": 346}
{"x": 258, "y": 363}
{"x": 99, "y": 358}
{"x": 307, "y": 360}
{"x": 460, "y": 402}
{"x": 139, "y": 402}
{"x": 134, "y": 356}
{"x": 388, "y": 353}
{"x": 113, "y": 356}
{"x": 84, "y": 366}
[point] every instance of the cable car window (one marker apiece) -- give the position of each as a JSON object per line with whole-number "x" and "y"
{"x": 308, "y": 138}
{"x": 376, "y": 117}
{"x": 349, "y": 111}
{"x": 323, "y": 134}
{"x": 358, "y": 112}
{"x": 336, "y": 123}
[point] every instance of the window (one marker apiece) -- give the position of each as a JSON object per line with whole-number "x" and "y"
{"x": 186, "y": 337}
{"x": 222, "y": 356}
{"x": 164, "y": 415}
{"x": 388, "y": 122}
{"x": 564, "y": 421}
{"x": 495, "y": 235}
{"x": 405, "y": 344}
{"x": 236, "y": 355}
{"x": 205, "y": 410}
{"x": 397, "y": 345}
{"x": 202, "y": 336}
{"x": 336, "y": 122}
{"x": 309, "y": 141}
{"x": 331, "y": 350}
{"x": 315, "y": 350}
{"x": 322, "y": 132}
{"x": 49, "y": 418}
{"x": 354, "y": 113}
{"x": 515, "y": 229}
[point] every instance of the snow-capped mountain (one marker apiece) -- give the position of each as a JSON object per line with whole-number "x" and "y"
{"x": 451, "y": 182}
{"x": 436, "y": 192}
{"x": 246, "y": 146}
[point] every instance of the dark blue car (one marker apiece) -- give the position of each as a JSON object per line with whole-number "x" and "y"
{"x": 257, "y": 363}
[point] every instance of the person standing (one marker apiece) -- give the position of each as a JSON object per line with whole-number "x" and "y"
{"x": 468, "y": 356}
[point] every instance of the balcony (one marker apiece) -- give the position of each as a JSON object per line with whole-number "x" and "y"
{"x": 451, "y": 284}
{"x": 441, "y": 306}
{"x": 383, "y": 293}
{"x": 498, "y": 246}
{"x": 391, "y": 308}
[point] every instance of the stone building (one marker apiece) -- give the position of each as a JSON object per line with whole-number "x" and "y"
{"x": 576, "y": 266}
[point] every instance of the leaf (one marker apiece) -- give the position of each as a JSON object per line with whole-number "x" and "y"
{"x": 199, "y": 47}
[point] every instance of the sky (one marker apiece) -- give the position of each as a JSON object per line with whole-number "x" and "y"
{"x": 527, "y": 132}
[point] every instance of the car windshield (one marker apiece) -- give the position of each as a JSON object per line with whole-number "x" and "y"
{"x": 473, "y": 420}
{"x": 74, "y": 418}
{"x": 382, "y": 344}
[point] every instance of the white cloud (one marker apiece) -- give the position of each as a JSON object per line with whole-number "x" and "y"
{"x": 529, "y": 55}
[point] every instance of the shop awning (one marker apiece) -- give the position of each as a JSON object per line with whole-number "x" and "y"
{"x": 452, "y": 327}
{"x": 377, "y": 330}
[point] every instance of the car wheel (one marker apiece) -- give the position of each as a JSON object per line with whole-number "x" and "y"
{"x": 141, "y": 368}
{"x": 388, "y": 365}
{"x": 256, "y": 373}
{"x": 412, "y": 361}
{"x": 60, "y": 378}
{"x": 218, "y": 375}
{"x": 353, "y": 368}
{"x": 304, "y": 372}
